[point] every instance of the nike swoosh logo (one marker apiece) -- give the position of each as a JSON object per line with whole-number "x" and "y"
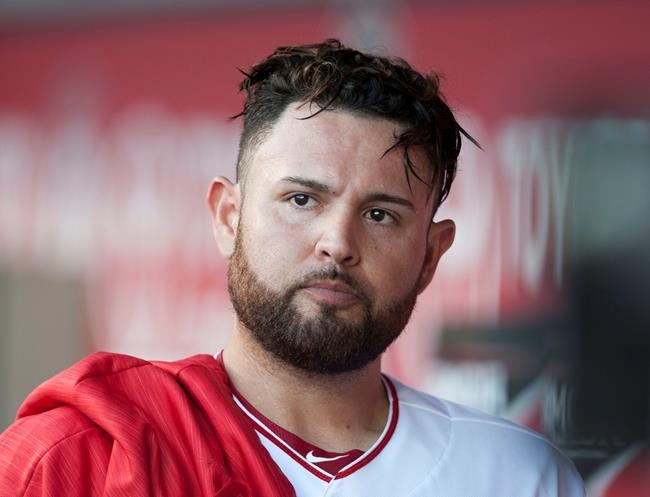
{"x": 315, "y": 459}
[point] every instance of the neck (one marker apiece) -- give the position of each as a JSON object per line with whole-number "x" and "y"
{"x": 335, "y": 412}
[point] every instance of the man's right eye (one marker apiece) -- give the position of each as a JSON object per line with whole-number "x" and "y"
{"x": 301, "y": 200}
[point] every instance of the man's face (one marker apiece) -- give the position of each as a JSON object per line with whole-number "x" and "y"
{"x": 332, "y": 245}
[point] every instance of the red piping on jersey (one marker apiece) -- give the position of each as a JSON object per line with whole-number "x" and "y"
{"x": 315, "y": 470}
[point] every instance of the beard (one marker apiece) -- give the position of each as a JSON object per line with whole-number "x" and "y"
{"x": 322, "y": 344}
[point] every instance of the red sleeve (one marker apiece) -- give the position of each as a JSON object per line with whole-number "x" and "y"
{"x": 122, "y": 427}
{"x": 55, "y": 453}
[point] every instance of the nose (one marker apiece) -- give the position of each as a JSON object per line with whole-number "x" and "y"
{"x": 337, "y": 242}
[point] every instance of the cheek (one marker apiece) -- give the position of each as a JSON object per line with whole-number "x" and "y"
{"x": 274, "y": 247}
{"x": 395, "y": 267}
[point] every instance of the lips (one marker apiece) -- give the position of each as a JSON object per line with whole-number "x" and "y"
{"x": 332, "y": 293}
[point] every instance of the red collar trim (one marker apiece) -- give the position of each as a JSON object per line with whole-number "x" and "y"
{"x": 384, "y": 438}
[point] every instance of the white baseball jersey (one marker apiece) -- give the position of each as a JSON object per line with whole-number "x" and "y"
{"x": 429, "y": 447}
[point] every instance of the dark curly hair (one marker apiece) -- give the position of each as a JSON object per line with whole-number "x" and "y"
{"x": 336, "y": 77}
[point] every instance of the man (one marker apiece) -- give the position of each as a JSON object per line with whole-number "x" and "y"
{"x": 344, "y": 159}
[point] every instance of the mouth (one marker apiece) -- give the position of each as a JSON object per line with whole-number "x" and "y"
{"x": 333, "y": 293}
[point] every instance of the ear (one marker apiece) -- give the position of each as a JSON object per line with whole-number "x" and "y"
{"x": 439, "y": 239}
{"x": 224, "y": 201}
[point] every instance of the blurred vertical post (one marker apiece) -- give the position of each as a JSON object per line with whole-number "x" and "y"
{"x": 609, "y": 304}
{"x": 41, "y": 319}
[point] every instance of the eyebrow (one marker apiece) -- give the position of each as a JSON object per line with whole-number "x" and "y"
{"x": 322, "y": 187}
{"x": 308, "y": 183}
{"x": 385, "y": 197}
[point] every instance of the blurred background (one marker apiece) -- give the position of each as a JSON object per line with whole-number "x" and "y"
{"x": 114, "y": 119}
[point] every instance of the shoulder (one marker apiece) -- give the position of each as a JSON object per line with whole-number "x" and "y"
{"x": 467, "y": 419}
{"x": 488, "y": 443}
{"x": 102, "y": 375}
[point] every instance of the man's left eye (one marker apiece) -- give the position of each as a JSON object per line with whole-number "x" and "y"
{"x": 379, "y": 216}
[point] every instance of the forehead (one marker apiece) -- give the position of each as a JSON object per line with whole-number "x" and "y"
{"x": 337, "y": 147}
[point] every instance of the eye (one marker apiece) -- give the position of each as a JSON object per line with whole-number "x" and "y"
{"x": 302, "y": 200}
{"x": 380, "y": 216}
